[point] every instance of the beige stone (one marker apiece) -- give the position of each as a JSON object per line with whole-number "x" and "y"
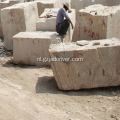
{"x": 49, "y": 24}
{"x": 97, "y": 22}
{"x": 17, "y": 18}
{"x": 32, "y": 48}
{"x": 95, "y": 66}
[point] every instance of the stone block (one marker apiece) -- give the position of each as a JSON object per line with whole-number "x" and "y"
{"x": 90, "y": 66}
{"x": 31, "y": 48}
{"x": 49, "y": 24}
{"x": 17, "y": 18}
{"x": 4, "y": 5}
{"x": 97, "y": 22}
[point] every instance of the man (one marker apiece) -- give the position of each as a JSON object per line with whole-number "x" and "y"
{"x": 61, "y": 24}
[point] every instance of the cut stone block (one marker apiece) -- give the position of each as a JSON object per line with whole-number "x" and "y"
{"x": 31, "y": 47}
{"x": 4, "y": 5}
{"x": 82, "y": 67}
{"x": 17, "y": 18}
{"x": 49, "y": 24}
{"x": 97, "y": 22}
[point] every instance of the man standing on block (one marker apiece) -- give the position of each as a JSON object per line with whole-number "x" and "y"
{"x": 61, "y": 24}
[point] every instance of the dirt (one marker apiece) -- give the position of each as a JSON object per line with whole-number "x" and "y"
{"x": 31, "y": 93}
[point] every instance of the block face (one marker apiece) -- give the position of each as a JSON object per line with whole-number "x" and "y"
{"x": 17, "y": 18}
{"x": 31, "y": 47}
{"x": 49, "y": 24}
{"x": 98, "y": 66}
{"x": 97, "y": 22}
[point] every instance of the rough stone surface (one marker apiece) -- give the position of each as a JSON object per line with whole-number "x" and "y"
{"x": 95, "y": 66}
{"x": 97, "y": 22}
{"x": 17, "y": 18}
{"x": 29, "y": 47}
{"x": 49, "y": 24}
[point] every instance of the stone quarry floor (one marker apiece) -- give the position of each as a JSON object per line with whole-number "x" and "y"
{"x": 31, "y": 93}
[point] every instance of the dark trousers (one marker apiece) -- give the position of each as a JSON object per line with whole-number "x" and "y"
{"x": 63, "y": 27}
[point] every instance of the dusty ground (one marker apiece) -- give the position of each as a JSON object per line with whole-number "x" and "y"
{"x": 31, "y": 93}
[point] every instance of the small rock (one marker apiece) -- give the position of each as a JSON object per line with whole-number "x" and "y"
{"x": 82, "y": 43}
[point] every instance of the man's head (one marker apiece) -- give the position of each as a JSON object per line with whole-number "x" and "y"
{"x": 66, "y": 6}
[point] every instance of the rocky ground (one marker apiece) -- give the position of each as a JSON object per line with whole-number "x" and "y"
{"x": 31, "y": 93}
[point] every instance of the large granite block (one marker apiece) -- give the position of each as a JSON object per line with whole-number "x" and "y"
{"x": 17, "y": 18}
{"x": 97, "y": 22}
{"x": 31, "y": 48}
{"x": 86, "y": 64}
